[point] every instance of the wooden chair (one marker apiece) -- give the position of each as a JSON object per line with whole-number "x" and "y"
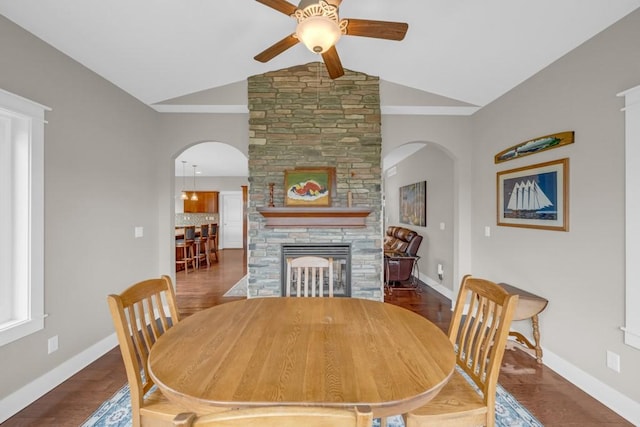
{"x": 307, "y": 274}
{"x": 140, "y": 318}
{"x": 479, "y": 336}
{"x": 185, "y": 246}
{"x": 281, "y": 416}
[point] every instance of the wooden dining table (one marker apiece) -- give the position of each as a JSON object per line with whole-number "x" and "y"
{"x": 335, "y": 352}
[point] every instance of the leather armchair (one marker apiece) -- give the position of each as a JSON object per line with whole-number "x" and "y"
{"x": 401, "y": 253}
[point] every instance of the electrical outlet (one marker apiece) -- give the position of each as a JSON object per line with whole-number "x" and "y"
{"x": 613, "y": 361}
{"x": 52, "y": 344}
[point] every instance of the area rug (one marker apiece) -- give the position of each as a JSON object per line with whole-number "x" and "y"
{"x": 116, "y": 412}
{"x": 239, "y": 289}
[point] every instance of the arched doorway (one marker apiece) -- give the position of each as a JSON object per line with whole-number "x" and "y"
{"x": 214, "y": 170}
{"x": 426, "y": 161}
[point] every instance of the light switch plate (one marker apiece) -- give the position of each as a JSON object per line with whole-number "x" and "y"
{"x": 613, "y": 361}
{"x": 138, "y": 232}
{"x": 52, "y": 344}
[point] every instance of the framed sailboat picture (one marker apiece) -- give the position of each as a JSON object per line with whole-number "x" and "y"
{"x": 535, "y": 196}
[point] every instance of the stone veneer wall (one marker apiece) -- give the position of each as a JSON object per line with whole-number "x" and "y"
{"x": 301, "y": 118}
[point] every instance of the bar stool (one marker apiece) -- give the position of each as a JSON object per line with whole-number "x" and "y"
{"x": 213, "y": 240}
{"x": 200, "y": 252}
{"x": 184, "y": 245}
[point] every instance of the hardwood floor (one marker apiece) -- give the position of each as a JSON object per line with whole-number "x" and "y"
{"x": 552, "y": 399}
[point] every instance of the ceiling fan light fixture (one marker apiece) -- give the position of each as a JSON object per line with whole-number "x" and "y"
{"x": 318, "y": 33}
{"x": 319, "y": 26}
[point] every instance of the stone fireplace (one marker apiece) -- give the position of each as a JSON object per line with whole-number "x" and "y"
{"x": 301, "y": 118}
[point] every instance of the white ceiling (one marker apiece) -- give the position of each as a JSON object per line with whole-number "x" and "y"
{"x": 468, "y": 50}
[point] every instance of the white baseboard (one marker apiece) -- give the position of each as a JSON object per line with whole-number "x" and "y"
{"x": 436, "y": 286}
{"x": 20, "y": 399}
{"x": 611, "y": 398}
{"x": 624, "y": 406}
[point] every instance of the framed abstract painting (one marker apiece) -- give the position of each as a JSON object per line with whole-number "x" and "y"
{"x": 413, "y": 204}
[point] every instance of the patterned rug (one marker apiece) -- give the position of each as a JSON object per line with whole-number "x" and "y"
{"x": 239, "y": 289}
{"x": 116, "y": 412}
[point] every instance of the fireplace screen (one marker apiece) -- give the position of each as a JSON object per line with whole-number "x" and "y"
{"x": 341, "y": 254}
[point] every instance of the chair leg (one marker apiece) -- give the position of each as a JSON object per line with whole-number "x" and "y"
{"x": 214, "y": 247}
{"x": 184, "y": 260}
{"x": 193, "y": 257}
{"x": 196, "y": 259}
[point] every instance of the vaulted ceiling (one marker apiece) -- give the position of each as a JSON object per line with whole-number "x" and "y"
{"x": 466, "y": 50}
{"x": 195, "y": 55}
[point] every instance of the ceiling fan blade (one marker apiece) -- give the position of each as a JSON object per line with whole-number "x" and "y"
{"x": 280, "y": 5}
{"x": 335, "y": 3}
{"x": 332, "y": 62}
{"x": 277, "y": 48}
{"x": 377, "y": 29}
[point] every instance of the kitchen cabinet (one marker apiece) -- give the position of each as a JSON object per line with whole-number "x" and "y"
{"x": 207, "y": 202}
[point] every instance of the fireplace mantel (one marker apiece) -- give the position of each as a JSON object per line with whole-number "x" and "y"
{"x": 336, "y": 217}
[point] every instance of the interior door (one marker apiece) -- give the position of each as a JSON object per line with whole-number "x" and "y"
{"x": 231, "y": 220}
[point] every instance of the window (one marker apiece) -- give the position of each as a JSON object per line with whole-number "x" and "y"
{"x": 632, "y": 223}
{"x": 21, "y": 217}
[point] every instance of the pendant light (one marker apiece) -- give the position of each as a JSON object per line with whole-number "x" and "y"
{"x": 183, "y": 194}
{"x": 194, "y": 196}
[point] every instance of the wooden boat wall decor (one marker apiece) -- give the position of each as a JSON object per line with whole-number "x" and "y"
{"x": 536, "y": 145}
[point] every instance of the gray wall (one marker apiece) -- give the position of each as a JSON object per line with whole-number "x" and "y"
{"x": 100, "y": 183}
{"x": 581, "y": 272}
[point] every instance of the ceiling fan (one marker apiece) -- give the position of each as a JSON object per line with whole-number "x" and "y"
{"x": 319, "y": 28}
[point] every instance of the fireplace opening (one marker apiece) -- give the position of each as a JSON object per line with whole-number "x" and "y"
{"x": 341, "y": 254}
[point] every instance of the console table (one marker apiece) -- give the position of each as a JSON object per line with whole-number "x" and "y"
{"x": 529, "y": 306}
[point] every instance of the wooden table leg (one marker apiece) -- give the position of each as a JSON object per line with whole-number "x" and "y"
{"x": 536, "y": 337}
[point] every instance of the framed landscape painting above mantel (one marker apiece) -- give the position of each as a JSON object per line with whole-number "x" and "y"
{"x": 535, "y": 196}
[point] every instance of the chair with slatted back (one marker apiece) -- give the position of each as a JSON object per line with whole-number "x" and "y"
{"x": 479, "y": 336}
{"x": 281, "y": 416}
{"x": 140, "y": 318}
{"x": 306, "y": 276}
